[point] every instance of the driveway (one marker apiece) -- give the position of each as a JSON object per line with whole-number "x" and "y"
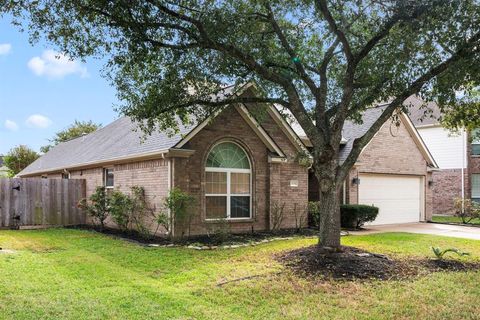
{"x": 425, "y": 228}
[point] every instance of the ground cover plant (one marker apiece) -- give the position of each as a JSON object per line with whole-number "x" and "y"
{"x": 78, "y": 274}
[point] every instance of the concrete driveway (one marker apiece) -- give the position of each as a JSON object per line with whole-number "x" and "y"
{"x": 425, "y": 228}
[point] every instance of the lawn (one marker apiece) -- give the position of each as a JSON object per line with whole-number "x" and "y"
{"x": 452, "y": 219}
{"x": 75, "y": 274}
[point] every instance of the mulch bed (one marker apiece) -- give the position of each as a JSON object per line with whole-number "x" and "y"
{"x": 212, "y": 240}
{"x": 356, "y": 264}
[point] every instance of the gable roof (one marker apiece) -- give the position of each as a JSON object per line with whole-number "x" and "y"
{"x": 118, "y": 140}
{"x": 352, "y": 131}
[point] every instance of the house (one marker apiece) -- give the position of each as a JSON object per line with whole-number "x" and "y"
{"x": 457, "y": 154}
{"x": 239, "y": 166}
{"x": 3, "y": 168}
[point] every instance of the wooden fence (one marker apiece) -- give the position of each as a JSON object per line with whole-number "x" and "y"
{"x": 41, "y": 202}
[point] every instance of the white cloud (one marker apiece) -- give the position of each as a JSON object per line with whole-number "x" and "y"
{"x": 5, "y": 48}
{"x": 38, "y": 121}
{"x": 56, "y": 65}
{"x": 11, "y": 125}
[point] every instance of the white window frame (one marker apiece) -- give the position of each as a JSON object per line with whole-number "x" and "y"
{"x": 105, "y": 178}
{"x": 229, "y": 195}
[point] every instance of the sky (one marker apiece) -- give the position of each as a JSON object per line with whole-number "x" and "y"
{"x": 41, "y": 95}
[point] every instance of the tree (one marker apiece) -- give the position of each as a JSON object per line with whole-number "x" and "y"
{"x": 77, "y": 129}
{"x": 325, "y": 61}
{"x": 18, "y": 158}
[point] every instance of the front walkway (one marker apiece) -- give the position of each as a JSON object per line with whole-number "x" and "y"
{"x": 425, "y": 228}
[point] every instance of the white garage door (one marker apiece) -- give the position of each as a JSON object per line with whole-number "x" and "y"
{"x": 399, "y": 198}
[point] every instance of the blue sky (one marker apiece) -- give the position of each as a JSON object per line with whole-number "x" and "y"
{"x": 40, "y": 95}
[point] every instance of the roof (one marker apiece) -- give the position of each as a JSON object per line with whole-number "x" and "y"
{"x": 119, "y": 139}
{"x": 352, "y": 131}
{"x": 421, "y": 113}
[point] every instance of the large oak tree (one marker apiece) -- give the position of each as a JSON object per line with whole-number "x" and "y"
{"x": 326, "y": 61}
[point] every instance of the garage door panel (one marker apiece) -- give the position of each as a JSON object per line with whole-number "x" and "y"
{"x": 398, "y": 197}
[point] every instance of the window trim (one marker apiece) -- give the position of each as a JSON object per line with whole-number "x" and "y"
{"x": 105, "y": 177}
{"x": 228, "y": 194}
{"x": 475, "y": 142}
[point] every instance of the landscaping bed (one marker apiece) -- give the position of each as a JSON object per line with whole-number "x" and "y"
{"x": 353, "y": 263}
{"x": 204, "y": 241}
{"x": 453, "y": 220}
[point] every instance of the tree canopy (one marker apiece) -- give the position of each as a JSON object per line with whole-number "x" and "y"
{"x": 18, "y": 158}
{"x": 77, "y": 129}
{"x": 326, "y": 61}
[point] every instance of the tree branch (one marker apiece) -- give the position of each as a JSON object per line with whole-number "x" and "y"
{"x": 415, "y": 87}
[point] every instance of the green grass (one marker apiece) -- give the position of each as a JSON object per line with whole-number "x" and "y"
{"x": 74, "y": 274}
{"x": 452, "y": 219}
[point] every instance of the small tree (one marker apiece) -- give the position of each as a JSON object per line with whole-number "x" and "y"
{"x": 277, "y": 213}
{"x": 98, "y": 207}
{"x": 18, "y": 158}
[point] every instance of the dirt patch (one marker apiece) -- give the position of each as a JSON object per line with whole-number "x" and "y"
{"x": 353, "y": 264}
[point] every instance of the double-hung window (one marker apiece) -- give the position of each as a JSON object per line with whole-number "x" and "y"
{"x": 476, "y": 142}
{"x": 108, "y": 178}
{"x": 228, "y": 183}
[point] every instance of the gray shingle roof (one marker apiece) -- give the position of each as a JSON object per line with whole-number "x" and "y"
{"x": 352, "y": 130}
{"x": 118, "y": 139}
{"x": 422, "y": 114}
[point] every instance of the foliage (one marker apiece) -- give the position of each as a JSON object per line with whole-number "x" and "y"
{"x": 77, "y": 129}
{"x": 219, "y": 230}
{"x": 178, "y": 203}
{"x": 356, "y": 215}
{"x": 277, "y": 213}
{"x": 439, "y": 253}
{"x": 314, "y": 213}
{"x": 324, "y": 61}
{"x": 98, "y": 205}
{"x": 18, "y": 158}
{"x": 121, "y": 209}
{"x": 466, "y": 209}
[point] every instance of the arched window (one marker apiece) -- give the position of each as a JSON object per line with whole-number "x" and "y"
{"x": 228, "y": 182}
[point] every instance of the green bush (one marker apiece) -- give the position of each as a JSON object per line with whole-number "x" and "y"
{"x": 314, "y": 213}
{"x": 98, "y": 206}
{"x": 356, "y": 215}
{"x": 121, "y": 206}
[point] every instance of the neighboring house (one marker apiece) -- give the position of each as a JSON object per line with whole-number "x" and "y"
{"x": 238, "y": 168}
{"x": 3, "y": 169}
{"x": 457, "y": 155}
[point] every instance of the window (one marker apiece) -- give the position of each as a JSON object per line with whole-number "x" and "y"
{"x": 476, "y": 187}
{"x": 476, "y": 142}
{"x": 66, "y": 175}
{"x": 228, "y": 183}
{"x": 108, "y": 178}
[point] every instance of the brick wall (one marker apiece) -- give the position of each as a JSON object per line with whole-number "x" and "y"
{"x": 388, "y": 154}
{"x": 447, "y": 185}
{"x": 270, "y": 180}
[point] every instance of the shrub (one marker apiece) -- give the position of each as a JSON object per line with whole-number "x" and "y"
{"x": 314, "y": 213}
{"x": 356, "y": 215}
{"x": 466, "y": 209}
{"x": 98, "y": 207}
{"x": 178, "y": 203}
{"x": 121, "y": 206}
{"x": 277, "y": 213}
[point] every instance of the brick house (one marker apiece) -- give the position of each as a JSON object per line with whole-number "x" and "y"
{"x": 239, "y": 167}
{"x": 457, "y": 154}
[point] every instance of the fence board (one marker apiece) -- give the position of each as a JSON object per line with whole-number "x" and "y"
{"x": 41, "y": 202}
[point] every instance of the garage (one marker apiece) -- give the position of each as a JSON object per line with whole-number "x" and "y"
{"x": 399, "y": 198}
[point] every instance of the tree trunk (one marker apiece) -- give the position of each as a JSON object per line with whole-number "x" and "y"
{"x": 329, "y": 206}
